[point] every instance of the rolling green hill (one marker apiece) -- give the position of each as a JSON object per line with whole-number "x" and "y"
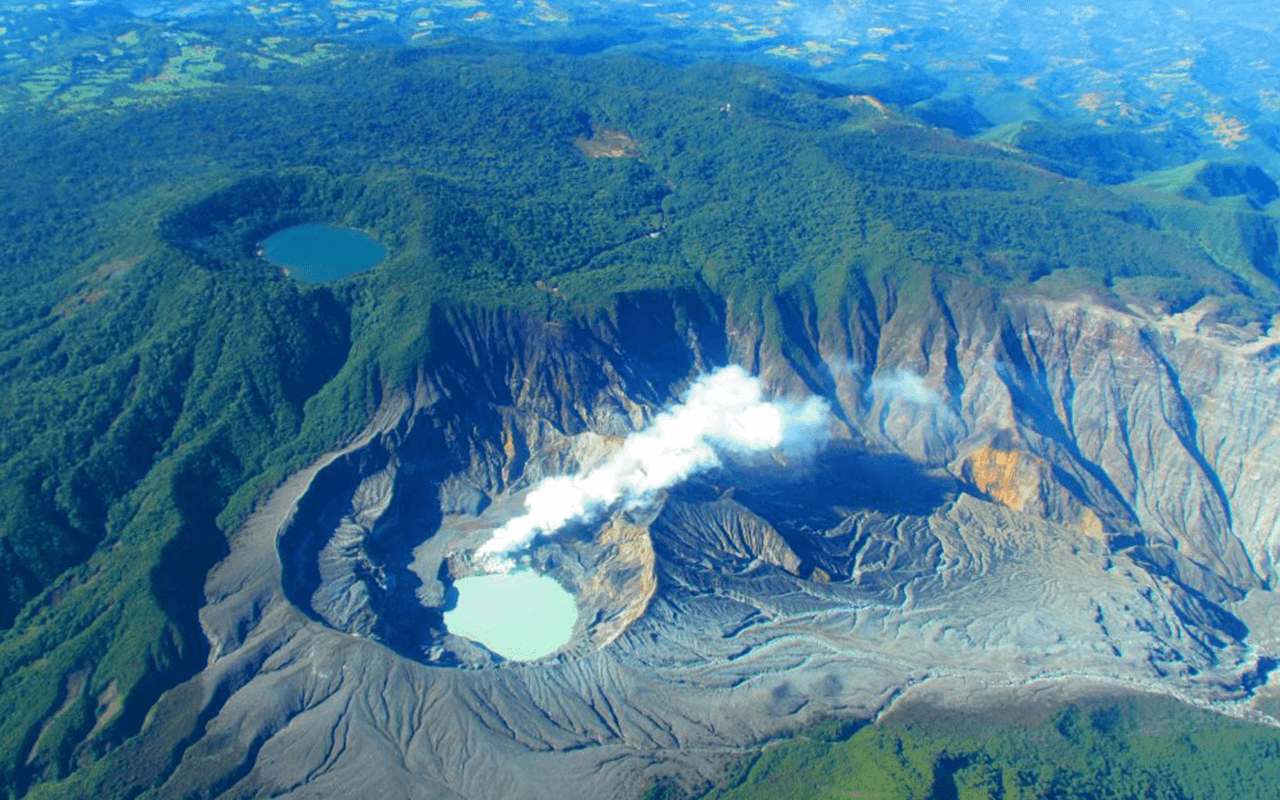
{"x": 1127, "y": 746}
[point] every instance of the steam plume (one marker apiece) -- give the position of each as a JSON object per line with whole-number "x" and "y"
{"x": 723, "y": 411}
{"x": 907, "y": 386}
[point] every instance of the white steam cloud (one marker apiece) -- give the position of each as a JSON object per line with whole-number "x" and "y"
{"x": 724, "y": 411}
{"x": 908, "y": 387}
{"x": 904, "y": 385}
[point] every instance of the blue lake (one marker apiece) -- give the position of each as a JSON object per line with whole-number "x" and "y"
{"x": 314, "y": 253}
{"x": 518, "y": 615}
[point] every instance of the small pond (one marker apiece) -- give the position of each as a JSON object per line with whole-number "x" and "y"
{"x": 314, "y": 253}
{"x": 519, "y": 615}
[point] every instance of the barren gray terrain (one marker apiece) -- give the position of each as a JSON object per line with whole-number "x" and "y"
{"x": 1020, "y": 494}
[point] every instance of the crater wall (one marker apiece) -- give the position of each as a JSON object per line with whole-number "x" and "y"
{"x": 1019, "y": 493}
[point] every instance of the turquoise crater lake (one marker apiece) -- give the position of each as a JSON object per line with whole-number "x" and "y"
{"x": 315, "y": 253}
{"x": 519, "y": 615}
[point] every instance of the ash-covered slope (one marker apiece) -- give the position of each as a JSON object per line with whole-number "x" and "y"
{"x": 1018, "y": 491}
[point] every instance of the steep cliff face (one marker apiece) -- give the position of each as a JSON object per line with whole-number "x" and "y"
{"x": 1018, "y": 490}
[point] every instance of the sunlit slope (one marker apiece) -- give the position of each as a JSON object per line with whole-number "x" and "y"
{"x": 157, "y": 376}
{"x": 1103, "y": 747}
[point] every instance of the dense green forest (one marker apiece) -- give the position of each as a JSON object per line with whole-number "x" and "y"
{"x": 1118, "y": 747}
{"x": 158, "y": 377}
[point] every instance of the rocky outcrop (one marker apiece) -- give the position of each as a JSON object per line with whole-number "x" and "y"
{"x": 1019, "y": 491}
